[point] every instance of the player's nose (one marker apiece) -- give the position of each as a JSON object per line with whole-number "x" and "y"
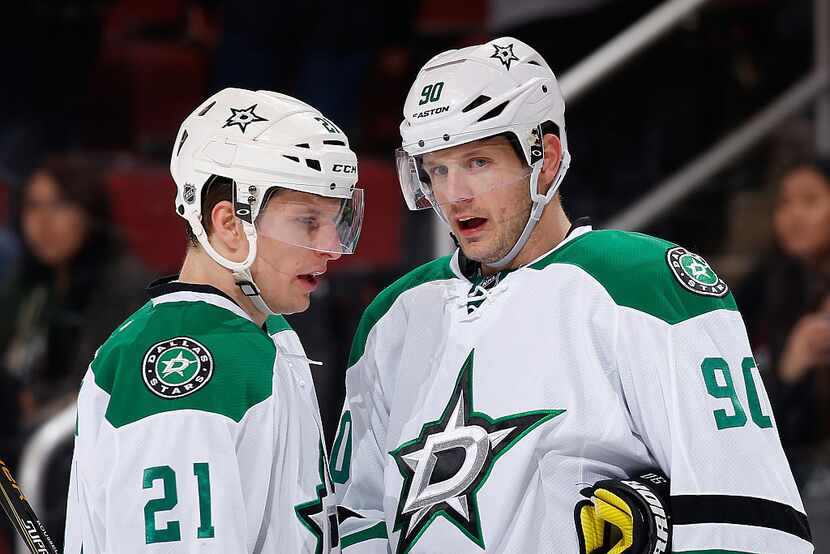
{"x": 457, "y": 187}
{"x": 328, "y": 242}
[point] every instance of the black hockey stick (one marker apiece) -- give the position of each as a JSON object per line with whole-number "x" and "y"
{"x": 22, "y": 516}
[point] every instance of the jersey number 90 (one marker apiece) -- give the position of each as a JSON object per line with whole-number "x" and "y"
{"x": 718, "y": 379}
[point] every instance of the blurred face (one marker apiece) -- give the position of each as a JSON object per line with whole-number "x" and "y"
{"x": 802, "y": 214}
{"x": 295, "y": 241}
{"x": 53, "y": 228}
{"x": 482, "y": 190}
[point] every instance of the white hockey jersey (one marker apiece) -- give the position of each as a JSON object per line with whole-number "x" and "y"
{"x": 199, "y": 432}
{"x": 476, "y": 412}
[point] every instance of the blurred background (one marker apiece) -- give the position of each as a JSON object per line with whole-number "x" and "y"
{"x": 705, "y": 122}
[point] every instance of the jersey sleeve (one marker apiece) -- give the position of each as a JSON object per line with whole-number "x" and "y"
{"x": 178, "y": 474}
{"x": 163, "y": 458}
{"x": 698, "y": 402}
{"x": 358, "y": 454}
{"x": 170, "y": 482}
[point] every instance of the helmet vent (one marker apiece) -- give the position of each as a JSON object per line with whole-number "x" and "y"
{"x": 313, "y": 164}
{"x": 334, "y": 142}
{"x": 494, "y": 112}
{"x": 534, "y": 62}
{"x": 476, "y": 103}
{"x": 302, "y": 145}
{"x": 207, "y": 109}
{"x": 181, "y": 142}
{"x": 439, "y": 66}
{"x": 292, "y": 158}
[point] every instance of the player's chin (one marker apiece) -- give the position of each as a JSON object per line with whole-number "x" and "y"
{"x": 478, "y": 250}
{"x": 300, "y": 302}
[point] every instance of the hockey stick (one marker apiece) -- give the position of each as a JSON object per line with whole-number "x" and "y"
{"x": 23, "y": 518}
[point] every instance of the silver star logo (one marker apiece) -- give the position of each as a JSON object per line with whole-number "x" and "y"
{"x": 450, "y": 460}
{"x": 477, "y": 444}
{"x": 176, "y": 365}
{"x": 698, "y": 269}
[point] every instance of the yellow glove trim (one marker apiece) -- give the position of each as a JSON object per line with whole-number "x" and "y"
{"x": 612, "y": 509}
{"x": 592, "y": 528}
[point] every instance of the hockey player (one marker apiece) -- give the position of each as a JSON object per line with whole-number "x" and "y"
{"x": 499, "y": 398}
{"x": 198, "y": 427}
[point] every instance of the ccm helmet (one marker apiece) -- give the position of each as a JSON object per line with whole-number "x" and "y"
{"x": 263, "y": 140}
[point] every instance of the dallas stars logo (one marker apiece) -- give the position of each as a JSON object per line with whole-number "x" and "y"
{"x": 243, "y": 118}
{"x": 504, "y": 54}
{"x": 319, "y": 516}
{"x": 445, "y": 467}
{"x": 694, "y": 273}
{"x": 176, "y": 367}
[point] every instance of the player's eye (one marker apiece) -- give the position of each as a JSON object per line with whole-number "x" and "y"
{"x": 478, "y": 163}
{"x": 311, "y": 222}
{"x": 438, "y": 171}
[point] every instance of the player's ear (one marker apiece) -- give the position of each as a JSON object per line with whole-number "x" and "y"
{"x": 553, "y": 157}
{"x": 227, "y": 235}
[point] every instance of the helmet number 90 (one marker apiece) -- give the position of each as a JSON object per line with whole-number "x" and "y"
{"x": 431, "y": 93}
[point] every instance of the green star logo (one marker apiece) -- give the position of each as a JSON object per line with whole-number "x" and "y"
{"x": 449, "y": 462}
{"x": 320, "y": 516}
{"x": 177, "y": 367}
{"x": 694, "y": 273}
{"x": 697, "y": 268}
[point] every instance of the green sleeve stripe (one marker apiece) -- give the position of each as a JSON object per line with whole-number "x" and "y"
{"x": 433, "y": 271}
{"x": 377, "y": 531}
{"x": 632, "y": 268}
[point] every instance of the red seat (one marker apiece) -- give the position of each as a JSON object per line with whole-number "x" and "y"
{"x": 380, "y": 238}
{"x": 128, "y": 18}
{"x": 156, "y": 69}
{"x": 143, "y": 61}
{"x": 142, "y": 203}
{"x": 143, "y": 196}
{"x": 439, "y": 16}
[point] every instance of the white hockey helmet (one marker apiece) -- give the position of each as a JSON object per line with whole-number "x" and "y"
{"x": 264, "y": 140}
{"x": 460, "y": 96}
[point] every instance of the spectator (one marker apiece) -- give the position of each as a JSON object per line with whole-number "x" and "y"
{"x": 72, "y": 285}
{"x": 788, "y": 301}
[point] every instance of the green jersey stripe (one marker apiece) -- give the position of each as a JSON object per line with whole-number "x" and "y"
{"x": 377, "y": 531}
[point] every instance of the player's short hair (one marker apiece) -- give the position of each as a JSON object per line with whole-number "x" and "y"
{"x": 216, "y": 190}
{"x": 548, "y": 128}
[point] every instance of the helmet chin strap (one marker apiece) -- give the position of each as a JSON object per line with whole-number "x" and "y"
{"x": 536, "y": 210}
{"x": 241, "y": 270}
{"x": 245, "y": 282}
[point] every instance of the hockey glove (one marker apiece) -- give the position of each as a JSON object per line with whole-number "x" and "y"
{"x": 625, "y": 516}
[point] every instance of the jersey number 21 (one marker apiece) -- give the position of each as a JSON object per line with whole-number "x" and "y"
{"x": 171, "y": 532}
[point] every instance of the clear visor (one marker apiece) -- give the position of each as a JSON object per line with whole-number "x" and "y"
{"x": 459, "y": 174}
{"x": 321, "y": 223}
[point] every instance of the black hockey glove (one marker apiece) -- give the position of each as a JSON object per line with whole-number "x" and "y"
{"x": 625, "y": 516}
